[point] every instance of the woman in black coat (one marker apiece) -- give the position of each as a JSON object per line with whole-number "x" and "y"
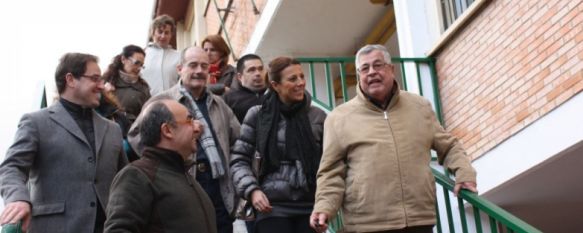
{"x": 286, "y": 132}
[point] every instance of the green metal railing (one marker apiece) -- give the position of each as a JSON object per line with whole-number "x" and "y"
{"x": 496, "y": 215}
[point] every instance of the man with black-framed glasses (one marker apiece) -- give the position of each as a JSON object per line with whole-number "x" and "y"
{"x": 57, "y": 173}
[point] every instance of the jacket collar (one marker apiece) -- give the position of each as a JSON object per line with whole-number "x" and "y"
{"x": 363, "y": 98}
{"x": 168, "y": 157}
{"x": 175, "y": 93}
{"x": 245, "y": 89}
{"x": 61, "y": 116}
{"x": 155, "y": 45}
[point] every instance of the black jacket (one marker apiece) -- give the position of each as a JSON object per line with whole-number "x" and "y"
{"x": 240, "y": 100}
{"x": 288, "y": 185}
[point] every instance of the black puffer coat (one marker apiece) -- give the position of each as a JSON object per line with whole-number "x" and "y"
{"x": 288, "y": 184}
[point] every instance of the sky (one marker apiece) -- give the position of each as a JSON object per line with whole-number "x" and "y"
{"x": 36, "y": 33}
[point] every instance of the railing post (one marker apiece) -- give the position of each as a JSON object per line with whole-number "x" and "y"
{"x": 438, "y": 218}
{"x": 343, "y": 81}
{"x": 460, "y": 203}
{"x": 419, "y": 84}
{"x": 313, "y": 80}
{"x": 331, "y": 99}
{"x": 435, "y": 85}
{"x": 448, "y": 210}
{"x": 477, "y": 220}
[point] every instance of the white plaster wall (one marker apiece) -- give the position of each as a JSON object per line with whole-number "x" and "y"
{"x": 418, "y": 29}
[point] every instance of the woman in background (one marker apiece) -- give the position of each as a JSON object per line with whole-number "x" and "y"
{"x": 125, "y": 91}
{"x": 222, "y": 74}
{"x": 123, "y": 79}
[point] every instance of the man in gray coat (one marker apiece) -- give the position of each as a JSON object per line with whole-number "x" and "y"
{"x": 57, "y": 173}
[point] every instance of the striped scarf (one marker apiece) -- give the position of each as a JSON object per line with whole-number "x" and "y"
{"x": 206, "y": 139}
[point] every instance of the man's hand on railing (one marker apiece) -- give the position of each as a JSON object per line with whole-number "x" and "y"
{"x": 318, "y": 221}
{"x": 465, "y": 185}
{"x": 17, "y": 211}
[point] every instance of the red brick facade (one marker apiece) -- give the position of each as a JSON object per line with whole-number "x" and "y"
{"x": 240, "y": 22}
{"x": 513, "y": 63}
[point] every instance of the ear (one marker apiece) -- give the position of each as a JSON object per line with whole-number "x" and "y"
{"x": 179, "y": 68}
{"x": 70, "y": 80}
{"x": 239, "y": 77}
{"x": 392, "y": 68}
{"x": 166, "y": 131}
{"x": 275, "y": 85}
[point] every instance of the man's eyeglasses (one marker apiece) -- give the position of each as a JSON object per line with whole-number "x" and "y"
{"x": 136, "y": 62}
{"x": 94, "y": 78}
{"x": 377, "y": 66}
{"x": 189, "y": 121}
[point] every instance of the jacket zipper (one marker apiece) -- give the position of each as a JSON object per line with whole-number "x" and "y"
{"x": 398, "y": 166}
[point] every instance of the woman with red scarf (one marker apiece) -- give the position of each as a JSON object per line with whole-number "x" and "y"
{"x": 221, "y": 74}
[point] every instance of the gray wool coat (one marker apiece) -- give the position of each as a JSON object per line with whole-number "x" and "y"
{"x": 52, "y": 156}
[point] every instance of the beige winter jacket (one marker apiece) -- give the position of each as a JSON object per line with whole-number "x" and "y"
{"x": 375, "y": 163}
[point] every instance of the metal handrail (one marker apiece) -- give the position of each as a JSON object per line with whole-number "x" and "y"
{"x": 495, "y": 213}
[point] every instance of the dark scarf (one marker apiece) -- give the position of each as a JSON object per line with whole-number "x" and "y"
{"x": 300, "y": 143}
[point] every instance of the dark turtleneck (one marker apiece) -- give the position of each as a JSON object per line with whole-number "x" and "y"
{"x": 84, "y": 118}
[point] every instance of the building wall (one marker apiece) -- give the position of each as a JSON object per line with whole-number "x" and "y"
{"x": 240, "y": 22}
{"x": 513, "y": 63}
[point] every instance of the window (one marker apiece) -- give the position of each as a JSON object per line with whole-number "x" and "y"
{"x": 453, "y": 9}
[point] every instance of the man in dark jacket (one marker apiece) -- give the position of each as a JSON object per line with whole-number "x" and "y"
{"x": 250, "y": 92}
{"x": 251, "y": 75}
{"x": 155, "y": 193}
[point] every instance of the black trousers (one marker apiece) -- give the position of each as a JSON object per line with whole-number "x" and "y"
{"x": 413, "y": 229}
{"x": 298, "y": 224}
{"x": 213, "y": 189}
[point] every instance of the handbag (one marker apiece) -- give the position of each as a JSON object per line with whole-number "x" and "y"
{"x": 245, "y": 210}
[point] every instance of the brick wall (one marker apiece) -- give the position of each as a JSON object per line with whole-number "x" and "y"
{"x": 240, "y": 22}
{"x": 513, "y": 63}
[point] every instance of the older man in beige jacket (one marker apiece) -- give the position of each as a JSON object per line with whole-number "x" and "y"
{"x": 376, "y": 156}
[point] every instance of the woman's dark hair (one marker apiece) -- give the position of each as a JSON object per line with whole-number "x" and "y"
{"x": 277, "y": 65}
{"x": 220, "y": 45}
{"x": 112, "y": 73}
